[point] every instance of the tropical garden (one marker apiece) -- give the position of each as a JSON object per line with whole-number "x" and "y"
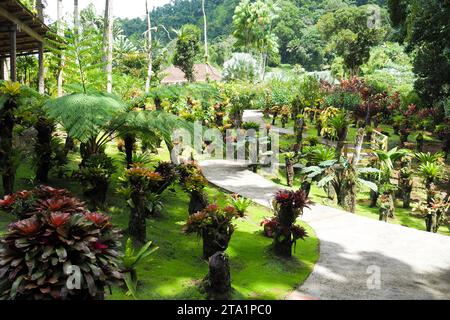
{"x": 94, "y": 205}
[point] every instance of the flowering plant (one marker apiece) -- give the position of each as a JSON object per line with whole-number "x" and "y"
{"x": 59, "y": 241}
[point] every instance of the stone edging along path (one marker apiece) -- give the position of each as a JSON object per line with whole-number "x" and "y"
{"x": 360, "y": 258}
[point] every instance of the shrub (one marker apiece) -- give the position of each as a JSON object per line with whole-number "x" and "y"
{"x": 95, "y": 176}
{"x": 241, "y": 66}
{"x": 240, "y": 204}
{"x": 436, "y": 211}
{"x": 251, "y": 126}
{"x": 42, "y": 254}
{"x": 215, "y": 226}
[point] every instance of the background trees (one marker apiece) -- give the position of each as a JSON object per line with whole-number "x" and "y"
{"x": 351, "y": 35}
{"x": 423, "y": 25}
{"x": 186, "y": 50}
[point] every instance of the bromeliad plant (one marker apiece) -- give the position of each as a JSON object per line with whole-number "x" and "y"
{"x": 95, "y": 177}
{"x": 287, "y": 206}
{"x": 194, "y": 183}
{"x": 240, "y": 204}
{"x": 215, "y": 226}
{"x": 131, "y": 260}
{"x": 436, "y": 211}
{"x": 142, "y": 187}
{"x": 61, "y": 252}
{"x": 24, "y": 204}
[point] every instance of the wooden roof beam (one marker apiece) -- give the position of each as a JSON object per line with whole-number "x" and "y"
{"x": 22, "y": 26}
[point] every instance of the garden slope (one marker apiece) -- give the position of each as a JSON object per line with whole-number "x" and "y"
{"x": 360, "y": 258}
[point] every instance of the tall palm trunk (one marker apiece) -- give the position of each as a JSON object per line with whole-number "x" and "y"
{"x": 60, "y": 76}
{"x": 205, "y": 28}
{"x": 43, "y": 148}
{"x": 108, "y": 43}
{"x": 149, "y": 50}
{"x": 7, "y": 169}
{"x": 76, "y": 16}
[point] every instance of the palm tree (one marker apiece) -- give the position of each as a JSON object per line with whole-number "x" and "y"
{"x": 149, "y": 49}
{"x": 205, "y": 28}
{"x": 108, "y": 43}
{"x": 60, "y": 76}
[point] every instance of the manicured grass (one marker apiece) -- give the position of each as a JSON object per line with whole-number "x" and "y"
{"x": 176, "y": 269}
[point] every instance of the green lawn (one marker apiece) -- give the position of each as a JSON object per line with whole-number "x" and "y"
{"x": 176, "y": 269}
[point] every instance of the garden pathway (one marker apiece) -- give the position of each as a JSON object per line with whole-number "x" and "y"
{"x": 258, "y": 117}
{"x": 360, "y": 258}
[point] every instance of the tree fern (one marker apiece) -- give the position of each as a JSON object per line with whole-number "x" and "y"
{"x": 85, "y": 115}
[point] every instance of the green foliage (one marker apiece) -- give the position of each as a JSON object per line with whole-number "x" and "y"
{"x": 85, "y": 115}
{"x": 186, "y": 50}
{"x": 423, "y": 24}
{"x": 350, "y": 34}
{"x": 241, "y": 66}
{"x": 240, "y": 204}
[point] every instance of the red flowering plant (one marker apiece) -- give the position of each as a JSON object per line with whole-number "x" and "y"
{"x": 60, "y": 252}
{"x": 24, "y": 204}
{"x": 214, "y": 225}
{"x": 287, "y": 206}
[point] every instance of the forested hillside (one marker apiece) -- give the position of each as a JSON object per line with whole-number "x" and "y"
{"x": 295, "y": 24}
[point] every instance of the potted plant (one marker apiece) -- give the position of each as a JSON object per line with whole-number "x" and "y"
{"x": 194, "y": 183}
{"x": 288, "y": 206}
{"x": 215, "y": 226}
{"x": 95, "y": 176}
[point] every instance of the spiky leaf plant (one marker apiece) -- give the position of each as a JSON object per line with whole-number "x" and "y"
{"x": 59, "y": 253}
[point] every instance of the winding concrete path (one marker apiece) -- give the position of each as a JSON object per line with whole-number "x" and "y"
{"x": 360, "y": 258}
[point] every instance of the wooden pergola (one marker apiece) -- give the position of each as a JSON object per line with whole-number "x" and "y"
{"x": 21, "y": 33}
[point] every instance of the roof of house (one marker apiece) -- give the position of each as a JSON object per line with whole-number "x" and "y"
{"x": 202, "y": 73}
{"x": 31, "y": 30}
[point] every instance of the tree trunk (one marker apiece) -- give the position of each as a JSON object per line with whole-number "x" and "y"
{"x": 205, "y": 30}
{"x": 403, "y": 138}
{"x": 76, "y": 16}
{"x": 289, "y": 172}
{"x": 60, "y": 75}
{"x": 431, "y": 223}
{"x": 342, "y": 137}
{"x": 7, "y": 169}
{"x": 149, "y": 50}
{"x": 214, "y": 242}
{"x": 137, "y": 226}
{"x": 218, "y": 281}
{"x": 283, "y": 243}
{"x": 306, "y": 186}
{"x": 129, "y": 148}
{"x": 108, "y": 43}
{"x": 373, "y": 198}
{"x": 198, "y": 202}
{"x": 299, "y": 127}
{"x": 43, "y": 148}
